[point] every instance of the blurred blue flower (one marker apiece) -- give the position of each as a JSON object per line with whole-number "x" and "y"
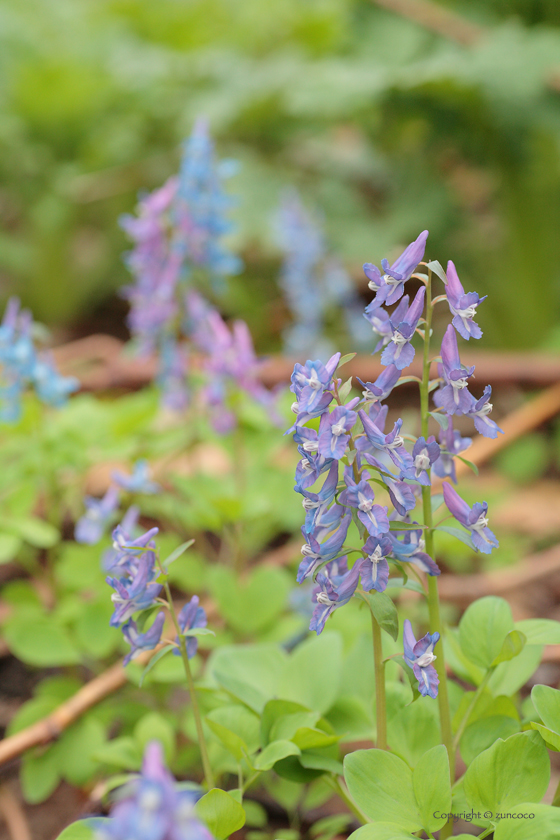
{"x": 91, "y": 526}
{"x": 139, "y": 481}
{"x": 419, "y": 655}
{"x": 190, "y": 617}
{"x": 142, "y": 641}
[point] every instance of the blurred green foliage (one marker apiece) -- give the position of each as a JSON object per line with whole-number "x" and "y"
{"x": 383, "y": 125}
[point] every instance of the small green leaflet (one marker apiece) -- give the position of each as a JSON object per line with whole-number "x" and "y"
{"x": 345, "y": 389}
{"x": 462, "y": 536}
{"x": 199, "y": 631}
{"x": 469, "y": 464}
{"x": 385, "y": 613}
{"x": 347, "y": 358}
{"x": 441, "y": 419}
{"x": 404, "y": 526}
{"x": 410, "y": 675}
{"x": 155, "y": 658}
{"x": 177, "y": 553}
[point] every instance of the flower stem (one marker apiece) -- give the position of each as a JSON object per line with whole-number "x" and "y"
{"x": 208, "y": 775}
{"x": 380, "y": 700}
{"x": 433, "y": 593}
{"x": 472, "y": 704}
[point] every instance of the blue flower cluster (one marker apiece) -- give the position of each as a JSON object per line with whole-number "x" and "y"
{"x": 352, "y": 435}
{"x": 23, "y": 367}
{"x": 312, "y": 282}
{"x": 92, "y": 525}
{"x": 154, "y": 806}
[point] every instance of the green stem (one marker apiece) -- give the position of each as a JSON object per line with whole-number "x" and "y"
{"x": 433, "y": 593}
{"x": 335, "y": 783}
{"x": 471, "y": 706}
{"x": 208, "y": 775}
{"x": 380, "y": 701}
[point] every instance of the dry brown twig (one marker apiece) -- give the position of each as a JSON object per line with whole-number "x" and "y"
{"x": 13, "y": 814}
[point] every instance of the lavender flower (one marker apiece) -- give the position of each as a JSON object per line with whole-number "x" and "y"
{"x": 399, "y": 351}
{"x": 142, "y": 641}
{"x": 473, "y": 519}
{"x": 309, "y": 384}
{"x": 316, "y": 504}
{"x": 419, "y": 655}
{"x": 480, "y": 411}
{"x": 324, "y": 542}
{"x": 374, "y": 568}
{"x": 463, "y": 306}
{"x": 91, "y": 526}
{"x": 454, "y": 397}
{"x": 154, "y": 808}
{"x": 451, "y": 444}
{"x": 424, "y": 455}
{"x": 383, "y": 385}
{"x": 190, "y": 617}
{"x": 391, "y": 444}
{"x": 408, "y": 547}
{"x": 389, "y": 287}
{"x": 135, "y": 563}
{"x": 329, "y": 597}
{"x": 359, "y": 495}
{"x": 139, "y": 481}
{"x": 334, "y": 428}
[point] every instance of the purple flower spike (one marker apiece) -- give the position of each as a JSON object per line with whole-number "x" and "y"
{"x": 399, "y": 351}
{"x": 329, "y": 598}
{"x": 142, "y": 641}
{"x": 361, "y": 496}
{"x": 480, "y": 411}
{"x": 419, "y": 655}
{"x": 424, "y": 455}
{"x": 383, "y": 385}
{"x": 451, "y": 444}
{"x": 135, "y": 592}
{"x": 474, "y": 519}
{"x": 463, "y": 306}
{"x": 454, "y": 397}
{"x": 91, "y": 526}
{"x": 375, "y": 568}
{"x": 334, "y": 428}
{"x": 389, "y": 287}
{"x": 190, "y": 617}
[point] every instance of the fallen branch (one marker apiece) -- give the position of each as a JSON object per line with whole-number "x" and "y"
{"x": 13, "y": 814}
{"x": 437, "y": 19}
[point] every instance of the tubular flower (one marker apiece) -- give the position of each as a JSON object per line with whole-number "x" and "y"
{"x": 142, "y": 641}
{"x": 391, "y": 444}
{"x": 474, "y": 519}
{"x": 389, "y": 287}
{"x": 451, "y": 444}
{"x": 454, "y": 397}
{"x": 91, "y": 526}
{"x": 410, "y": 549}
{"x": 325, "y": 542}
{"x": 399, "y": 351}
{"x": 380, "y": 320}
{"x": 329, "y": 597}
{"x": 316, "y": 504}
{"x": 480, "y": 411}
{"x": 154, "y": 807}
{"x": 334, "y": 428}
{"x": 383, "y": 385}
{"x": 424, "y": 455}
{"x": 359, "y": 495}
{"x": 190, "y": 617}
{"x": 419, "y": 655}
{"x": 139, "y": 481}
{"x": 374, "y": 568}
{"x": 463, "y": 306}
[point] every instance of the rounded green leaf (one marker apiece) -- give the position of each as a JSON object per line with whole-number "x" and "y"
{"x": 40, "y": 642}
{"x": 380, "y": 783}
{"x": 155, "y": 727}
{"x": 432, "y": 787}
{"x": 481, "y": 734}
{"x": 274, "y": 752}
{"x": 221, "y": 813}
{"x": 10, "y": 544}
{"x": 380, "y": 831}
{"x": 540, "y": 631}
{"x": 312, "y": 673}
{"x": 39, "y": 775}
{"x": 483, "y": 628}
{"x": 529, "y": 820}
{"x": 509, "y": 772}
{"x": 81, "y": 830}
{"x": 547, "y": 703}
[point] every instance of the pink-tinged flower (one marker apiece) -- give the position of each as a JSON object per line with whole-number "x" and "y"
{"x": 473, "y": 519}
{"x": 454, "y": 396}
{"x": 463, "y": 306}
{"x": 480, "y": 411}
{"x": 419, "y": 655}
{"x": 389, "y": 287}
{"x": 399, "y": 350}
